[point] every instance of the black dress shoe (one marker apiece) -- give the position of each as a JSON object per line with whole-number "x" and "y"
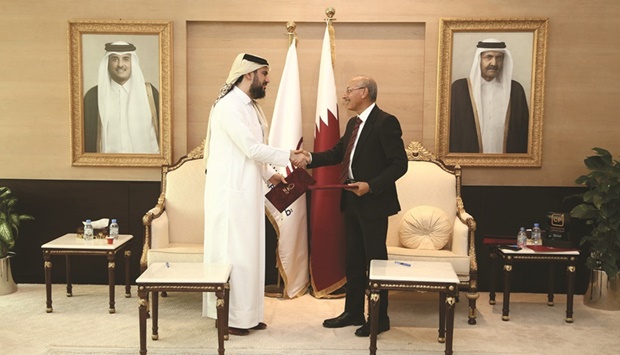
{"x": 238, "y": 331}
{"x": 259, "y": 326}
{"x": 364, "y": 330}
{"x": 344, "y": 320}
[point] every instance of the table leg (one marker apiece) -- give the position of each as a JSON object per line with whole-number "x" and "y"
{"x": 570, "y": 288}
{"x": 111, "y": 266}
{"x": 507, "y": 275}
{"x": 47, "y": 265}
{"x": 226, "y": 307}
{"x": 493, "y": 281}
{"x": 155, "y": 315}
{"x": 68, "y": 276}
{"x": 373, "y": 313}
{"x": 142, "y": 308}
{"x": 551, "y": 283}
{"x": 221, "y": 327}
{"x": 449, "y": 304}
{"x": 442, "y": 318}
{"x": 127, "y": 280}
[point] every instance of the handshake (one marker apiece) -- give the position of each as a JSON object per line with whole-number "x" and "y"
{"x": 300, "y": 158}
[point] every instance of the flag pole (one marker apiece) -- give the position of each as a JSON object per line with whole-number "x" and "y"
{"x": 327, "y": 237}
{"x": 277, "y": 290}
{"x": 330, "y": 12}
{"x": 291, "y": 26}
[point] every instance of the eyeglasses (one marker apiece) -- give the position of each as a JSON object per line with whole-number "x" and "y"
{"x": 349, "y": 90}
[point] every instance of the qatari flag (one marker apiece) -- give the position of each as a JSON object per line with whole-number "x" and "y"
{"x": 327, "y": 237}
{"x": 291, "y": 225}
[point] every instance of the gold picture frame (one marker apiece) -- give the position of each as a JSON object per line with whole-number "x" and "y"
{"x": 526, "y": 39}
{"x": 87, "y": 48}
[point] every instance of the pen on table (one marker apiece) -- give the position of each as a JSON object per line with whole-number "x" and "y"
{"x": 167, "y": 264}
{"x": 401, "y": 263}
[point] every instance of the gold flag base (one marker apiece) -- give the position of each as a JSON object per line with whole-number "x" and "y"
{"x": 274, "y": 291}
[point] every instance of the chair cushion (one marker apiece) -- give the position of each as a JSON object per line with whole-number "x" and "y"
{"x": 425, "y": 227}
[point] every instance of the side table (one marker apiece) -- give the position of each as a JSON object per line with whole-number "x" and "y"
{"x": 69, "y": 245}
{"x": 532, "y": 253}
{"x": 184, "y": 277}
{"x": 414, "y": 276}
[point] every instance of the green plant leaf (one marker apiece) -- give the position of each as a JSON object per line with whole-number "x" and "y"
{"x": 594, "y": 162}
{"x": 4, "y": 191}
{"x": 603, "y": 153}
{"x": 6, "y": 232}
{"x": 600, "y": 208}
{"x": 581, "y": 180}
{"x": 583, "y": 211}
{"x": 9, "y": 220}
{"x": 589, "y": 195}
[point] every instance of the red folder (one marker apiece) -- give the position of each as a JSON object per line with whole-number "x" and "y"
{"x": 283, "y": 195}
{"x": 335, "y": 186}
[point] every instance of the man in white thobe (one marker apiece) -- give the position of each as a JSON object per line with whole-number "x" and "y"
{"x": 488, "y": 110}
{"x": 237, "y": 161}
{"x": 121, "y": 111}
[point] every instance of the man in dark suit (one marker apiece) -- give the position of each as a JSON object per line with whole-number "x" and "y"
{"x": 373, "y": 157}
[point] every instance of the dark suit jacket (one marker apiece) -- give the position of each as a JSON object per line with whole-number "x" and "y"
{"x": 379, "y": 159}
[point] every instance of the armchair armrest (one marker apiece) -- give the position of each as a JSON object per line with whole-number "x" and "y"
{"x": 460, "y": 237}
{"x": 465, "y": 217}
{"x": 469, "y": 221}
{"x": 160, "y": 238}
{"x": 155, "y": 223}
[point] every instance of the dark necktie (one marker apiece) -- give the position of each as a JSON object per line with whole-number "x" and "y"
{"x": 346, "y": 160}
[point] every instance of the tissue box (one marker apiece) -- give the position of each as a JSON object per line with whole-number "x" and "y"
{"x": 98, "y": 233}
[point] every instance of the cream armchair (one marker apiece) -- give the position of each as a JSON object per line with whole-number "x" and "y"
{"x": 174, "y": 228}
{"x": 433, "y": 224}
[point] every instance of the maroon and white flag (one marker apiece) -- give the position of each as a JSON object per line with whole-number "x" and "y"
{"x": 291, "y": 224}
{"x": 327, "y": 237}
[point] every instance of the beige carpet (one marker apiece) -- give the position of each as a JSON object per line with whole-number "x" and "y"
{"x": 82, "y": 325}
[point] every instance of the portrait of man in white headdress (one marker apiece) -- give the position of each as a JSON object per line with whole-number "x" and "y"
{"x": 489, "y": 111}
{"x": 121, "y": 112}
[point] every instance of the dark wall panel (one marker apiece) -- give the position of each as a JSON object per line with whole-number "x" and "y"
{"x": 60, "y": 206}
{"x": 500, "y": 211}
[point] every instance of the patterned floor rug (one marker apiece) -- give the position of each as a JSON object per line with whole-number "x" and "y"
{"x": 82, "y": 325}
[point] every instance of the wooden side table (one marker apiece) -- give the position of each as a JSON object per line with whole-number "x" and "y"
{"x": 184, "y": 277}
{"x": 532, "y": 253}
{"x": 415, "y": 276}
{"x": 69, "y": 245}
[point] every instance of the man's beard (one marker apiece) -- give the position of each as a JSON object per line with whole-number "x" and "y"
{"x": 256, "y": 89}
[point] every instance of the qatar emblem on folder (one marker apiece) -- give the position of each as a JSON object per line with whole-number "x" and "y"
{"x": 283, "y": 195}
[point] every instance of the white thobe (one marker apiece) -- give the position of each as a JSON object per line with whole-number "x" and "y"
{"x": 493, "y": 120}
{"x": 118, "y": 121}
{"x": 237, "y": 167}
{"x": 127, "y": 122}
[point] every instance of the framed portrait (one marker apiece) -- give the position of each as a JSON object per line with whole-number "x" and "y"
{"x": 121, "y": 92}
{"x": 491, "y": 75}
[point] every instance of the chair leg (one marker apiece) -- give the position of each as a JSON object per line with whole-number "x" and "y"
{"x": 472, "y": 296}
